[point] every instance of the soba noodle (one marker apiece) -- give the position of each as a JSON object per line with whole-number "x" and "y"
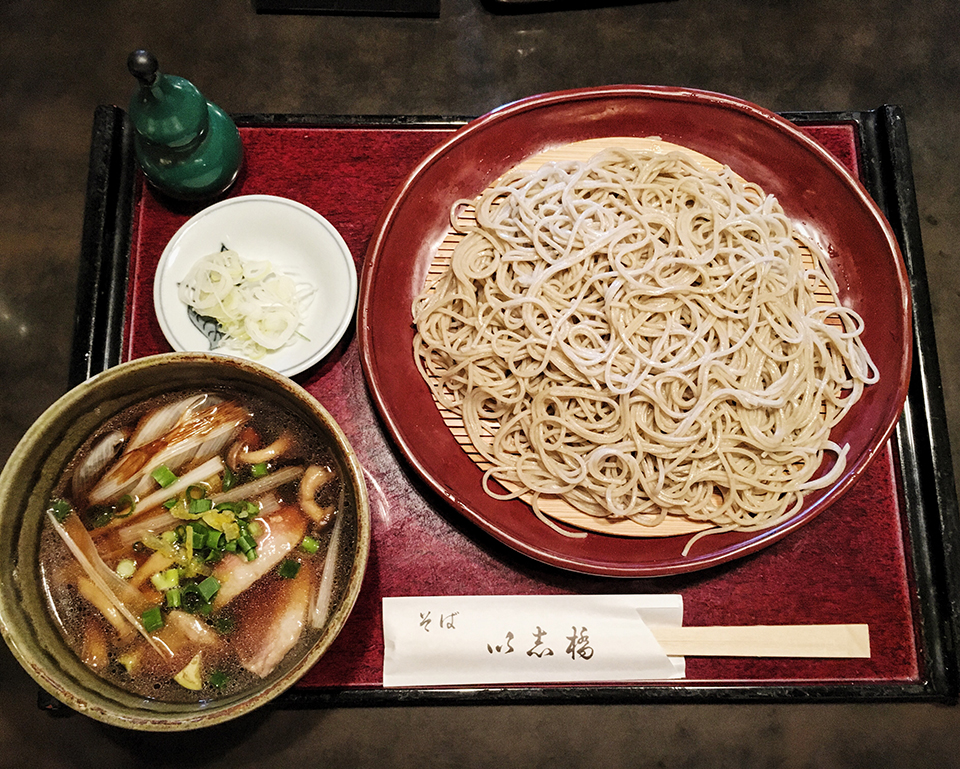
{"x": 640, "y": 337}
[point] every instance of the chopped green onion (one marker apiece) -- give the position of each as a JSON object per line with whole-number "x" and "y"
{"x": 242, "y": 509}
{"x": 251, "y": 555}
{"x": 126, "y": 503}
{"x": 214, "y": 556}
{"x": 246, "y": 543}
{"x": 60, "y": 509}
{"x": 190, "y": 598}
{"x": 170, "y": 503}
{"x": 126, "y": 568}
{"x": 309, "y": 545}
{"x": 213, "y": 538}
{"x": 255, "y": 529}
{"x": 173, "y": 597}
{"x": 170, "y": 537}
{"x": 218, "y": 679}
{"x": 198, "y": 506}
{"x": 199, "y": 536}
{"x": 152, "y": 619}
{"x": 288, "y": 569}
{"x": 223, "y": 623}
{"x": 166, "y": 579}
{"x": 194, "y": 600}
{"x": 229, "y": 479}
{"x": 164, "y": 476}
{"x": 208, "y": 588}
{"x": 259, "y": 470}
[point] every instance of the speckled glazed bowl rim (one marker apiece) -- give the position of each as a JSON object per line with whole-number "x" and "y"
{"x": 25, "y": 484}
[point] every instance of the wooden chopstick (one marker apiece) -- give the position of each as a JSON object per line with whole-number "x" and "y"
{"x": 765, "y": 641}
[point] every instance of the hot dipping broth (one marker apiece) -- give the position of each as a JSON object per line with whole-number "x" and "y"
{"x": 184, "y": 555}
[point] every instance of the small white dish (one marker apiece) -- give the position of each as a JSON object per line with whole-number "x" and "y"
{"x": 296, "y": 240}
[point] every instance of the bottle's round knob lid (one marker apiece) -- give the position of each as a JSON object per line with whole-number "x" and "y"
{"x": 143, "y": 66}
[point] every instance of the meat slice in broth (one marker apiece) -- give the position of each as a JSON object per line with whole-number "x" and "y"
{"x": 283, "y": 530}
{"x": 275, "y": 622}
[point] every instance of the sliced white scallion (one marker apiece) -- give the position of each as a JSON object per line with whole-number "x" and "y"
{"x": 208, "y": 469}
{"x": 258, "y": 308}
{"x": 323, "y": 599}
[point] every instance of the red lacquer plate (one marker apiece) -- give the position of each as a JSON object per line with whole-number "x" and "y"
{"x": 816, "y": 192}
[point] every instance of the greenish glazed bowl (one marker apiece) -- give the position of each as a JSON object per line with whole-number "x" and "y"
{"x": 30, "y": 475}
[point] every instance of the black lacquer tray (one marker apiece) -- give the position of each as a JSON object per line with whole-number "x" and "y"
{"x": 110, "y": 327}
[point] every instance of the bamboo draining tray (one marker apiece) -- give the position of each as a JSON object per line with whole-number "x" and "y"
{"x": 465, "y": 218}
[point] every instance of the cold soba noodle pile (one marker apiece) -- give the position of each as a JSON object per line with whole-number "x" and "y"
{"x": 640, "y": 337}
{"x": 186, "y": 553}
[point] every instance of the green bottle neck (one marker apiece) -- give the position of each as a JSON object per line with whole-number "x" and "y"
{"x": 170, "y": 112}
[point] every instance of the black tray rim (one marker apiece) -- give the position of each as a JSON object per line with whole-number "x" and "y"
{"x": 921, "y": 441}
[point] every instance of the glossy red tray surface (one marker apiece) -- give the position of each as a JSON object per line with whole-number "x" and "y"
{"x": 848, "y": 565}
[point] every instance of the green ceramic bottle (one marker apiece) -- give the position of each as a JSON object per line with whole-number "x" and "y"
{"x": 187, "y": 146}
